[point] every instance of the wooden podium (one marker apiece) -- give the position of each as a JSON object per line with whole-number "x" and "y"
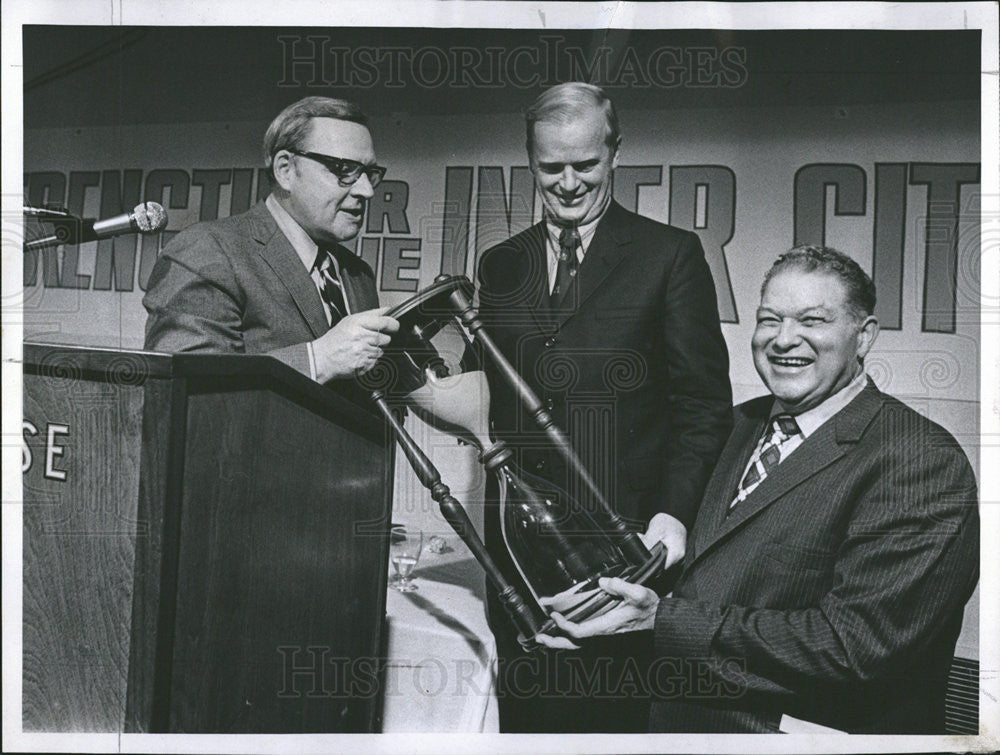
{"x": 205, "y": 546}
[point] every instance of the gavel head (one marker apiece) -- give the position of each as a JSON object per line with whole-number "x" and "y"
{"x": 431, "y": 367}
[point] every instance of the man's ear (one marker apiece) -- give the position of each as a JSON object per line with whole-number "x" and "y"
{"x": 616, "y": 153}
{"x": 532, "y": 165}
{"x": 867, "y": 335}
{"x": 282, "y": 167}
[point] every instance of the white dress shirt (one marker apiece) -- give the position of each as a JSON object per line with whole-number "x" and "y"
{"x": 811, "y": 420}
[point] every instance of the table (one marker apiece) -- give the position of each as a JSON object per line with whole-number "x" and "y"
{"x": 442, "y": 659}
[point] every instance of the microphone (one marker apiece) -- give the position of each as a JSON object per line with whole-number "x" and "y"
{"x": 147, "y": 217}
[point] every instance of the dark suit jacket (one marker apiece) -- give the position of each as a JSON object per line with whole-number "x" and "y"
{"x": 236, "y": 285}
{"x": 633, "y": 364}
{"x": 834, "y": 593}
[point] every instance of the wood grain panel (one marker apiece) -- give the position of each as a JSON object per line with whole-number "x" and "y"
{"x": 160, "y": 482}
{"x": 276, "y": 587}
{"x": 204, "y": 553}
{"x": 79, "y": 540}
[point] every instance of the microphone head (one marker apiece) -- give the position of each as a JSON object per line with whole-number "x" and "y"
{"x": 149, "y": 217}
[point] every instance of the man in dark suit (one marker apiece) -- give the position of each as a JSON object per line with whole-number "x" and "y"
{"x": 834, "y": 550}
{"x": 275, "y": 280}
{"x": 612, "y": 319}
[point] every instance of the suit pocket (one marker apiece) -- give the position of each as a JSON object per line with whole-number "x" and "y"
{"x": 799, "y": 556}
{"x": 790, "y": 576}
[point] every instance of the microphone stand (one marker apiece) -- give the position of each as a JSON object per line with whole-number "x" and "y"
{"x": 68, "y": 228}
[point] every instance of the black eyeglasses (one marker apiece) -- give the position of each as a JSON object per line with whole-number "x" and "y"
{"x": 347, "y": 171}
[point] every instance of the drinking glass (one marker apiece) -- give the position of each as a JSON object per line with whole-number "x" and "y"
{"x": 405, "y": 545}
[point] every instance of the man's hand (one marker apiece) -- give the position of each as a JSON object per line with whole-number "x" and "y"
{"x": 353, "y": 345}
{"x": 668, "y": 530}
{"x": 636, "y": 612}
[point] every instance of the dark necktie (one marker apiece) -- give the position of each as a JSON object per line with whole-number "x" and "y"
{"x": 568, "y": 265}
{"x": 329, "y": 288}
{"x": 766, "y": 456}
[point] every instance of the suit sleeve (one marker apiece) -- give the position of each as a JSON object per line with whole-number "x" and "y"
{"x": 699, "y": 402}
{"x": 906, "y": 567}
{"x": 195, "y": 302}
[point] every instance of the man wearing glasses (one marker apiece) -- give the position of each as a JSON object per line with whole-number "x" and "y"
{"x": 275, "y": 279}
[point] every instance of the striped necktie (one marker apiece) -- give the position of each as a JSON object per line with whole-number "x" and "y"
{"x": 330, "y": 288}
{"x": 767, "y": 455}
{"x": 568, "y": 265}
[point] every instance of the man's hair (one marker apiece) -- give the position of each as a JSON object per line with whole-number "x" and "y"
{"x": 859, "y": 287}
{"x": 564, "y": 103}
{"x": 290, "y": 128}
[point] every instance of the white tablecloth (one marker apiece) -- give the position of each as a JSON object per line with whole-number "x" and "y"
{"x": 442, "y": 659}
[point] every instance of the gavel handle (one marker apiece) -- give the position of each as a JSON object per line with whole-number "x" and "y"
{"x": 631, "y": 546}
{"x": 521, "y": 614}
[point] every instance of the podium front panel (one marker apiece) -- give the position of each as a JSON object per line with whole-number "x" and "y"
{"x": 205, "y": 546}
{"x": 281, "y": 522}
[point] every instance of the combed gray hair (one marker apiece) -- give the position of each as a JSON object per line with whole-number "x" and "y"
{"x": 565, "y": 103}
{"x": 859, "y": 286}
{"x": 290, "y": 128}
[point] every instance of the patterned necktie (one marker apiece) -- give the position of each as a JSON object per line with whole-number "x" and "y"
{"x": 767, "y": 454}
{"x": 569, "y": 239}
{"x": 329, "y": 288}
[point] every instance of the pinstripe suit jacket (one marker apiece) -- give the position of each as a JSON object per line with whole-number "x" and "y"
{"x": 236, "y": 285}
{"x": 834, "y": 593}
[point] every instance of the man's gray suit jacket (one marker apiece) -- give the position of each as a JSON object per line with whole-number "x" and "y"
{"x": 236, "y": 285}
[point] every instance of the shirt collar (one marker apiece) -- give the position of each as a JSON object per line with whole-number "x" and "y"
{"x": 304, "y": 246}
{"x": 586, "y": 232}
{"x": 811, "y": 420}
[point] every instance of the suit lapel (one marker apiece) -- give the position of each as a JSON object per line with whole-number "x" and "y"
{"x": 829, "y": 443}
{"x": 817, "y": 451}
{"x": 607, "y": 250}
{"x": 722, "y": 486}
{"x": 531, "y": 271}
{"x": 278, "y": 254}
